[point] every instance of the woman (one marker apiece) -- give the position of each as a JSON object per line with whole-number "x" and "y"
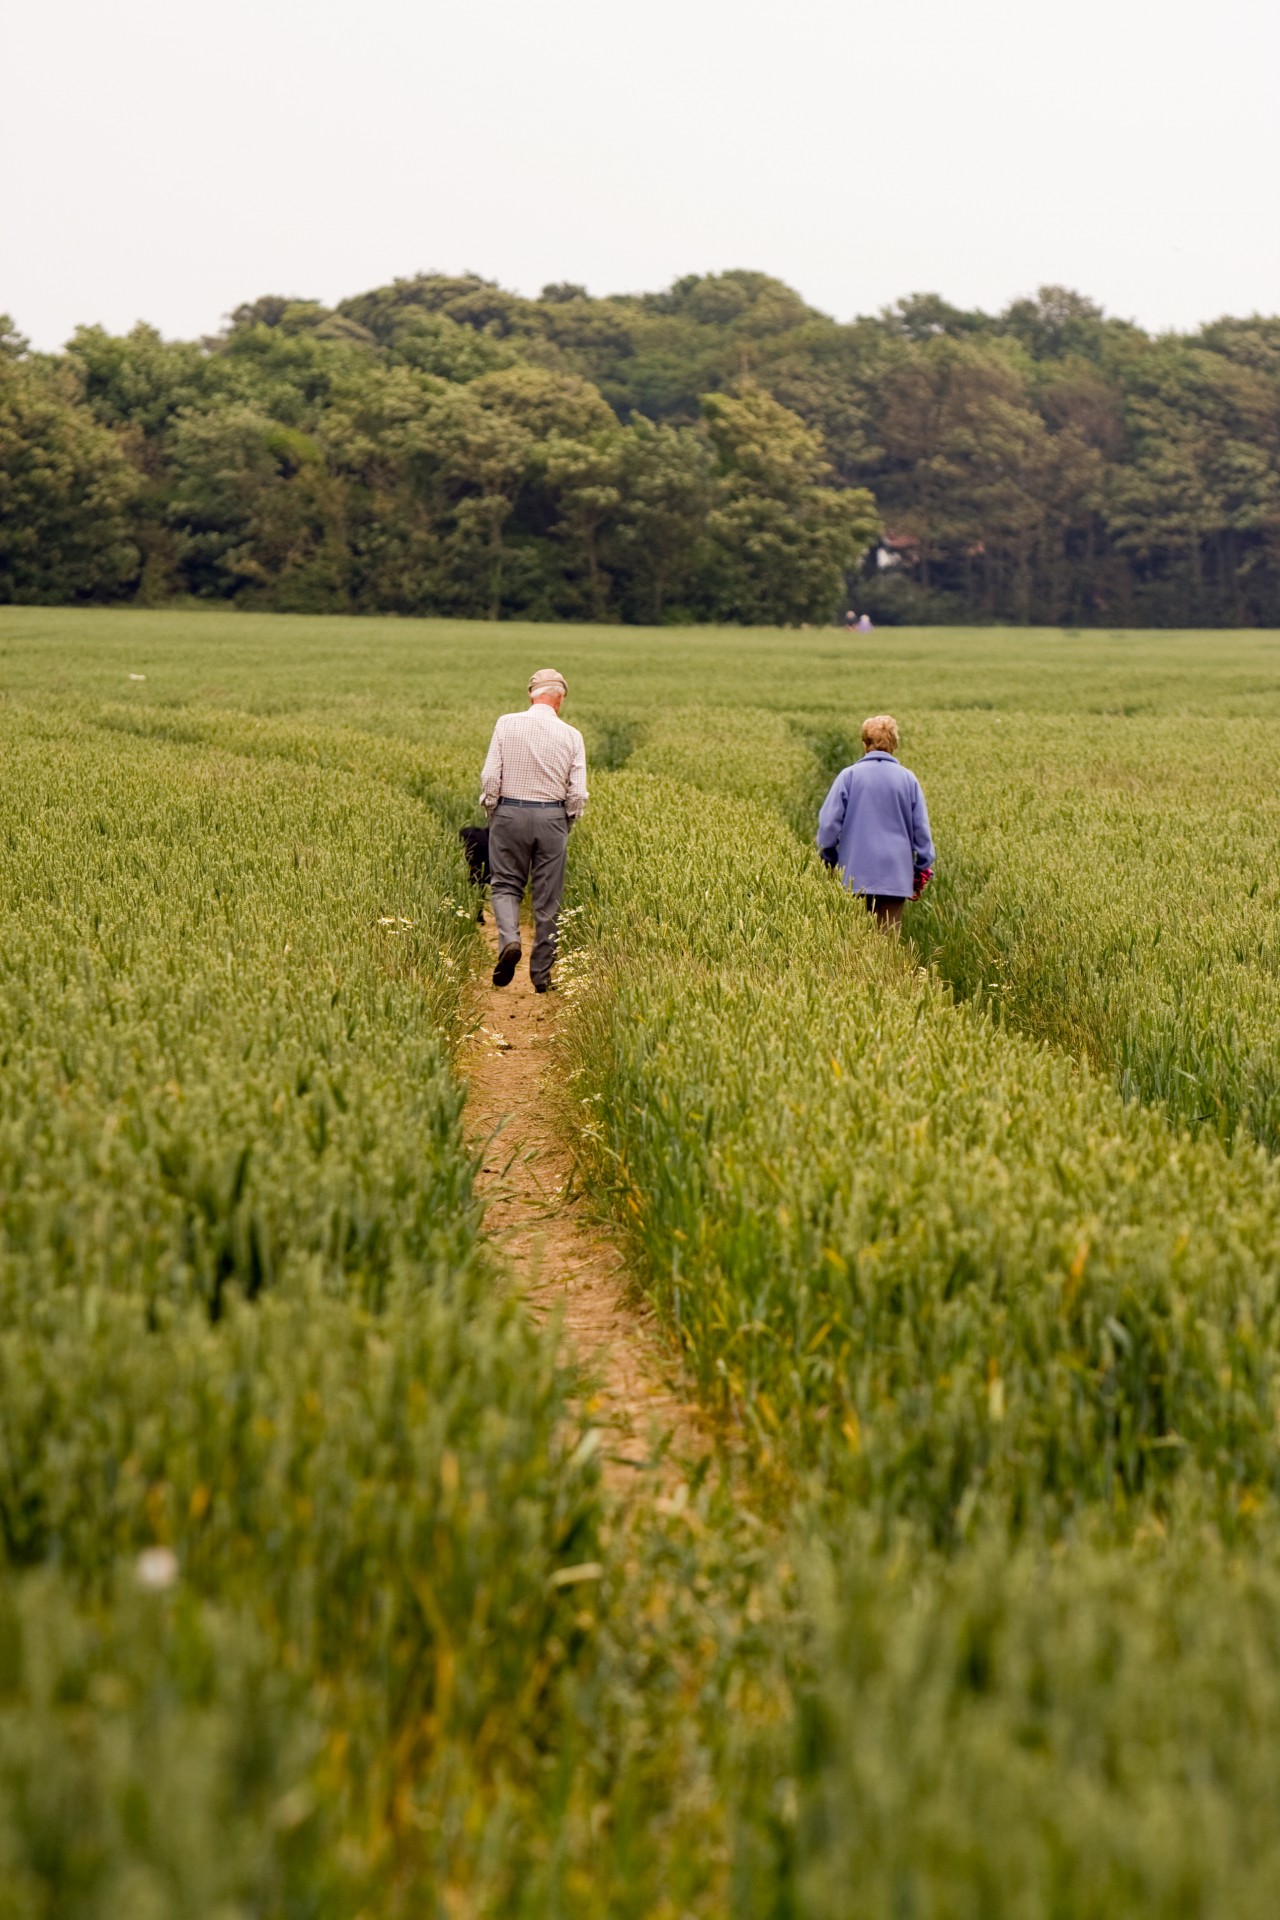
{"x": 875, "y": 828}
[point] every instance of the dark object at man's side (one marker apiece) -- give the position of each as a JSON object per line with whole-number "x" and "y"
{"x": 475, "y": 845}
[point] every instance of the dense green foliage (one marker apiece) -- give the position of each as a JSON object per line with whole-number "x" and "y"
{"x": 298, "y": 463}
{"x": 67, "y": 490}
{"x": 710, "y": 452}
{"x": 1001, "y": 1338}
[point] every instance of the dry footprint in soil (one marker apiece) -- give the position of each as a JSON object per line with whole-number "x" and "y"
{"x": 560, "y": 1261}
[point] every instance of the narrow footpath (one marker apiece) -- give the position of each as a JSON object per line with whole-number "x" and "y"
{"x": 560, "y": 1260}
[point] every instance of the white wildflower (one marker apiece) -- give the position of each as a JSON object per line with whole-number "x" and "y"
{"x": 156, "y": 1569}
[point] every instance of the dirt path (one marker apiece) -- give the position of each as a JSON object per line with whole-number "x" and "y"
{"x": 561, "y": 1260}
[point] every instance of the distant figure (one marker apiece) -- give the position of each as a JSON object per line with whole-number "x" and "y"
{"x": 874, "y": 826}
{"x": 851, "y": 621}
{"x": 533, "y": 788}
{"x": 864, "y": 623}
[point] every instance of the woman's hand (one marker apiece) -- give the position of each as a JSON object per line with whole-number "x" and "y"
{"x": 923, "y": 876}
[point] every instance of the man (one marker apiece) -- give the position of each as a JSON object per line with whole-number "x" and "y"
{"x": 533, "y": 788}
{"x": 874, "y": 826}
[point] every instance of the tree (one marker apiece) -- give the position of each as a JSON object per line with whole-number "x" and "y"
{"x": 526, "y": 446}
{"x": 965, "y": 472}
{"x": 443, "y": 445}
{"x": 584, "y": 476}
{"x": 256, "y": 515}
{"x": 1202, "y": 484}
{"x": 927, "y": 316}
{"x": 433, "y": 343}
{"x": 782, "y": 541}
{"x": 475, "y": 456}
{"x": 545, "y": 403}
{"x": 138, "y": 383}
{"x": 1079, "y": 576}
{"x": 1056, "y": 323}
{"x": 1250, "y": 343}
{"x": 13, "y": 345}
{"x": 66, "y": 489}
{"x": 820, "y": 372}
{"x": 666, "y": 487}
{"x": 373, "y": 433}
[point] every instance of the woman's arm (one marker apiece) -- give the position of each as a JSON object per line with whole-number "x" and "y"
{"x": 831, "y": 818}
{"x": 921, "y": 839}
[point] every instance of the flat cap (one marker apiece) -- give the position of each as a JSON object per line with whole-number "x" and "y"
{"x": 547, "y": 680}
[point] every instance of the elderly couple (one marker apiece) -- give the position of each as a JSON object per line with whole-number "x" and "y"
{"x": 873, "y": 826}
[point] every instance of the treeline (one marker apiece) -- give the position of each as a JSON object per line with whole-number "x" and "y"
{"x": 719, "y": 451}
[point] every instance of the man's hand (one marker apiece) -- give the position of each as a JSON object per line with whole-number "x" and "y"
{"x": 923, "y": 876}
{"x": 828, "y": 856}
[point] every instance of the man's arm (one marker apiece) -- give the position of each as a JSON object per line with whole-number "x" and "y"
{"x": 491, "y": 776}
{"x": 831, "y": 818}
{"x": 576, "y": 797}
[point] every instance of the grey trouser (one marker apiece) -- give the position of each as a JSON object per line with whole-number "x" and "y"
{"x": 529, "y": 844}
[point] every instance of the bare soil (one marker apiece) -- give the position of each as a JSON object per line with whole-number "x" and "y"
{"x": 562, "y": 1261}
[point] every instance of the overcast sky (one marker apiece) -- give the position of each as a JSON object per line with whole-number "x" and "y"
{"x": 163, "y": 160}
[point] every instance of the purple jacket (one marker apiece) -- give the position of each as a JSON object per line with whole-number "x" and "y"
{"x": 875, "y": 818}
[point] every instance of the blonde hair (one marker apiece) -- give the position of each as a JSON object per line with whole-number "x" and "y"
{"x": 880, "y": 734}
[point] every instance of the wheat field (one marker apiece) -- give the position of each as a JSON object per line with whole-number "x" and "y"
{"x": 312, "y": 1598}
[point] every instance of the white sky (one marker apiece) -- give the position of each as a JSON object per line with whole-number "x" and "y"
{"x": 165, "y": 161}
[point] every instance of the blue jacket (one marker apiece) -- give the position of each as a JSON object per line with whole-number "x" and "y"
{"x": 875, "y": 818}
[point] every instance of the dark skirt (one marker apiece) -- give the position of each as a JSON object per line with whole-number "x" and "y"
{"x": 887, "y": 907}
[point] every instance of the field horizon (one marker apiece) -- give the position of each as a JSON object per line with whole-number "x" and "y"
{"x": 387, "y": 637}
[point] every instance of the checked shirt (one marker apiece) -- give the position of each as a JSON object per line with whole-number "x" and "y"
{"x": 535, "y": 755}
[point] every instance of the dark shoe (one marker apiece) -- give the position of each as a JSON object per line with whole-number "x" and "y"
{"x": 508, "y": 961}
{"x": 544, "y": 986}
